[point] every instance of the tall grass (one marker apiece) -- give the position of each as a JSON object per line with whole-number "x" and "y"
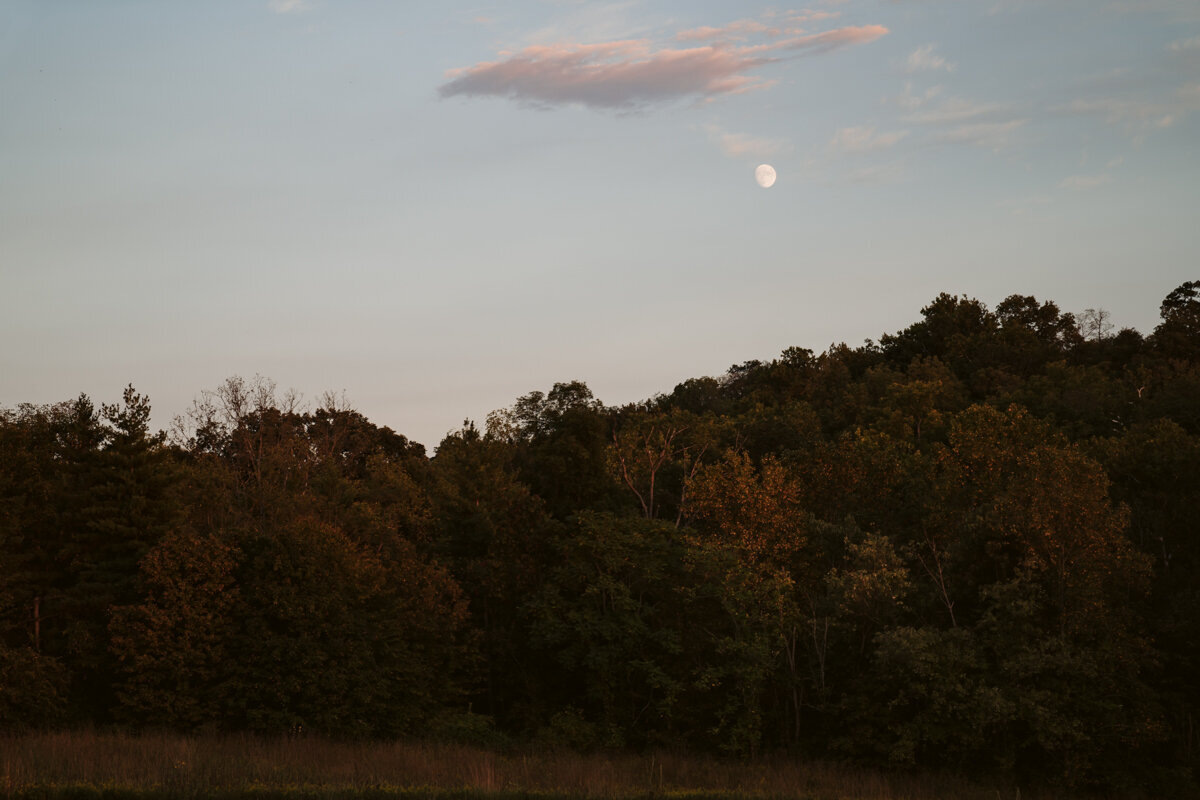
{"x": 202, "y": 765}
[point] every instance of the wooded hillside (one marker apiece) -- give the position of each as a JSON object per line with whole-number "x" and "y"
{"x": 972, "y": 545}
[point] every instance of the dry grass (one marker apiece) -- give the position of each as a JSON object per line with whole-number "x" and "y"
{"x": 196, "y": 765}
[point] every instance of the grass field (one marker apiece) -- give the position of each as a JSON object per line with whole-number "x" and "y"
{"x": 108, "y": 766}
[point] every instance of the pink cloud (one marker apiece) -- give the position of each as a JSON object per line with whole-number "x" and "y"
{"x": 608, "y": 75}
{"x": 810, "y": 15}
{"x": 632, "y": 73}
{"x": 835, "y": 39}
{"x": 734, "y": 30}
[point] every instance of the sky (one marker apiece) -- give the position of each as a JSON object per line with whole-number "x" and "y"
{"x": 434, "y": 208}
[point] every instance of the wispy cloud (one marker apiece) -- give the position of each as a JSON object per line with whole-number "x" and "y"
{"x": 923, "y": 59}
{"x": 877, "y": 174}
{"x": 287, "y": 6}
{"x": 835, "y": 39}
{"x": 1140, "y": 115}
{"x": 739, "y": 145}
{"x": 737, "y": 30}
{"x": 956, "y": 120}
{"x": 1084, "y": 182}
{"x": 863, "y": 140}
{"x": 594, "y": 22}
{"x": 636, "y": 73}
{"x": 1185, "y": 45}
{"x": 995, "y": 136}
{"x": 771, "y": 25}
{"x": 954, "y": 110}
{"x": 805, "y": 16}
{"x": 910, "y": 101}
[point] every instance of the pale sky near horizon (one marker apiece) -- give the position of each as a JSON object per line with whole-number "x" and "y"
{"x": 437, "y": 207}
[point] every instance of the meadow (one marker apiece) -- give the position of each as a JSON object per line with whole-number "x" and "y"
{"x": 108, "y": 766}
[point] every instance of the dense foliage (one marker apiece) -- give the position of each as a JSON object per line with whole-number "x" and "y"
{"x": 970, "y": 545}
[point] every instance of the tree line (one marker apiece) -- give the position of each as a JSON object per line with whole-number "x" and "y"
{"x": 970, "y": 545}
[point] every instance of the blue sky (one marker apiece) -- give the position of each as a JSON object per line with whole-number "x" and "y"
{"x": 436, "y": 207}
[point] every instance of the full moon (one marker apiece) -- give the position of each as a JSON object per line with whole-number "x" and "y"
{"x": 765, "y": 175}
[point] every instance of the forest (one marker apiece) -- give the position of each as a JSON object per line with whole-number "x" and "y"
{"x": 970, "y": 546}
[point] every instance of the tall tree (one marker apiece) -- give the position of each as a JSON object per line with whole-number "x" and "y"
{"x": 124, "y": 502}
{"x": 1178, "y": 335}
{"x": 562, "y": 439}
{"x": 496, "y": 538}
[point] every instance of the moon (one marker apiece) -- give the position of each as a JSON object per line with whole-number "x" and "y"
{"x": 765, "y": 175}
